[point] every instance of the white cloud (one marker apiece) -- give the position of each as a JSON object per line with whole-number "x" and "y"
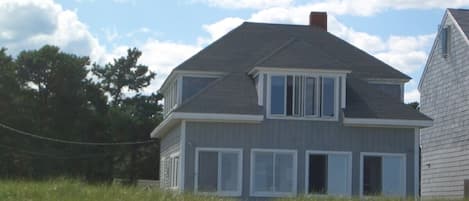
{"x": 412, "y": 96}
{"x": 36, "y": 23}
{"x": 253, "y": 4}
{"x": 218, "y": 29}
{"x": 340, "y": 7}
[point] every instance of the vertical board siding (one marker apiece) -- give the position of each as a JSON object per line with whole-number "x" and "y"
{"x": 299, "y": 135}
{"x": 169, "y": 144}
{"x": 444, "y": 96}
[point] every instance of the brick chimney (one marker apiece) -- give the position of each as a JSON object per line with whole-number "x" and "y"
{"x": 318, "y": 19}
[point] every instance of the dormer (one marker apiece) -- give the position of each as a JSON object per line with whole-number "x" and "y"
{"x": 303, "y": 94}
{"x": 182, "y": 85}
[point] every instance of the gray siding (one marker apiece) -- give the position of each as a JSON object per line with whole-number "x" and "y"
{"x": 444, "y": 96}
{"x": 192, "y": 85}
{"x": 393, "y": 90}
{"x": 301, "y": 136}
{"x": 169, "y": 143}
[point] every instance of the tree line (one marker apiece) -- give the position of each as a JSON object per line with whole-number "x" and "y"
{"x": 53, "y": 94}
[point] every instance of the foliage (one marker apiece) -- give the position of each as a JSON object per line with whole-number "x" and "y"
{"x": 414, "y": 105}
{"x": 53, "y": 94}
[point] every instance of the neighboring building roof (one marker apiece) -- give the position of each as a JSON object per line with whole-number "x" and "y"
{"x": 462, "y": 18}
{"x": 242, "y": 48}
{"x": 366, "y": 101}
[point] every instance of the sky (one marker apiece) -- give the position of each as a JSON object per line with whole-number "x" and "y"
{"x": 399, "y": 32}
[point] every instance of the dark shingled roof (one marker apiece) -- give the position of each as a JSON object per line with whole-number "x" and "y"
{"x": 365, "y": 101}
{"x": 273, "y": 45}
{"x": 462, "y": 18}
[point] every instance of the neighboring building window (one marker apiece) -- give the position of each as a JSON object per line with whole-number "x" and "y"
{"x": 328, "y": 173}
{"x": 218, "y": 171}
{"x": 273, "y": 173}
{"x": 383, "y": 175}
{"x": 303, "y": 96}
{"x": 444, "y": 38}
{"x": 171, "y": 171}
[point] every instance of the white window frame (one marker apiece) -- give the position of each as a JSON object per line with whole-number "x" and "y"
{"x": 294, "y": 153}
{"x": 403, "y": 169}
{"x": 327, "y": 153}
{"x": 219, "y": 151}
{"x": 173, "y": 176}
{"x": 318, "y": 97}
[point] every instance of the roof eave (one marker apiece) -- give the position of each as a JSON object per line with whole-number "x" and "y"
{"x": 396, "y": 123}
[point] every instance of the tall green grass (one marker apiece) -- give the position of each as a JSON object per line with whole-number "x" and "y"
{"x": 73, "y": 190}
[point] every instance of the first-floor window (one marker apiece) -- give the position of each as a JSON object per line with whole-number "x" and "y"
{"x": 219, "y": 171}
{"x": 328, "y": 173}
{"x": 273, "y": 173}
{"x": 171, "y": 171}
{"x": 383, "y": 175}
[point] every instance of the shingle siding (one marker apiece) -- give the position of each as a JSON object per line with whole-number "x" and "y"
{"x": 444, "y": 96}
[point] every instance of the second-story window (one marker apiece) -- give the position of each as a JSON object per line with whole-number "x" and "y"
{"x": 303, "y": 96}
{"x": 170, "y": 98}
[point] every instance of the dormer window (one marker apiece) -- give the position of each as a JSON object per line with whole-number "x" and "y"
{"x": 303, "y": 96}
{"x": 170, "y": 98}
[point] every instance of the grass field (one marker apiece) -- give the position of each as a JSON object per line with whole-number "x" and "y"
{"x": 73, "y": 190}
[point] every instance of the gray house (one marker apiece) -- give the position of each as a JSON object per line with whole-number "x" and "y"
{"x": 444, "y": 95}
{"x": 273, "y": 110}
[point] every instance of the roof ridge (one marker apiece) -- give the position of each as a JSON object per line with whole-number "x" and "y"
{"x": 275, "y": 51}
{"x": 201, "y": 91}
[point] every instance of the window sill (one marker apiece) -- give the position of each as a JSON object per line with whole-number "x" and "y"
{"x": 272, "y": 194}
{"x": 335, "y": 118}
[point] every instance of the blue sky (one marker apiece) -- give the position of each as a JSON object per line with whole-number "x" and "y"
{"x": 168, "y": 32}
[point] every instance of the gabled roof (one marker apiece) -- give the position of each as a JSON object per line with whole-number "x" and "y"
{"x": 462, "y": 18}
{"x": 242, "y": 48}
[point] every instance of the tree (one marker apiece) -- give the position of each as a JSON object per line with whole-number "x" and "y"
{"x": 123, "y": 73}
{"x": 414, "y": 105}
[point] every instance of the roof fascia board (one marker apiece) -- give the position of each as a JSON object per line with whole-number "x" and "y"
{"x": 178, "y": 73}
{"x": 398, "y": 123}
{"x": 204, "y": 117}
{"x": 258, "y": 69}
{"x": 386, "y": 81}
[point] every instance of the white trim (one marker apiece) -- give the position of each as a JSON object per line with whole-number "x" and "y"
{"x": 294, "y": 153}
{"x": 219, "y": 152}
{"x": 182, "y": 156}
{"x": 403, "y": 168}
{"x": 260, "y": 89}
{"x": 373, "y": 122}
{"x": 416, "y": 163}
{"x": 318, "y": 97}
{"x": 343, "y": 91}
{"x": 174, "y": 172}
{"x": 173, "y": 117}
{"x": 266, "y": 69}
{"x": 327, "y": 153}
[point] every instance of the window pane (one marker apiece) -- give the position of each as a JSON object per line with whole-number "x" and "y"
{"x": 208, "y": 171}
{"x": 289, "y": 95}
{"x": 372, "y": 175}
{"x": 263, "y": 171}
{"x": 283, "y": 172}
{"x": 229, "y": 172}
{"x": 328, "y": 97}
{"x": 298, "y": 94}
{"x": 277, "y": 95}
{"x": 444, "y": 41}
{"x": 337, "y": 174}
{"x": 393, "y": 184}
{"x": 317, "y": 174}
{"x": 310, "y": 96}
